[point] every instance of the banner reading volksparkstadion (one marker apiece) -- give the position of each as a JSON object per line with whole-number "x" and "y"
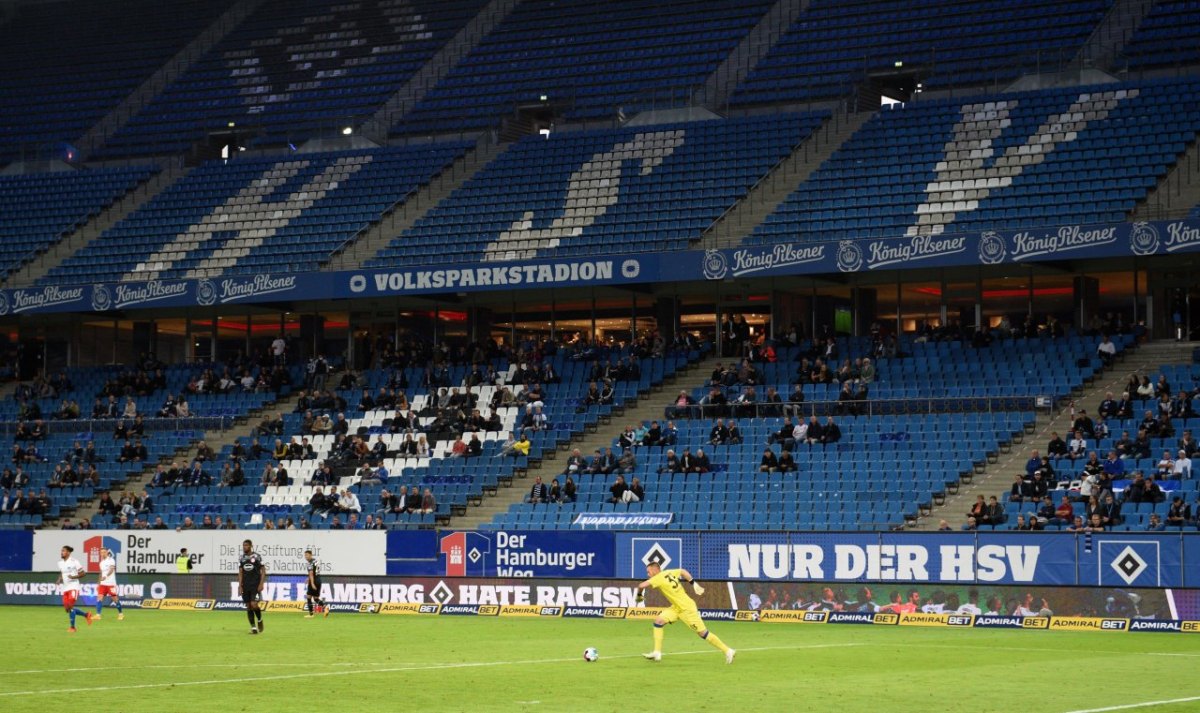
{"x": 1110, "y": 240}
{"x": 155, "y": 551}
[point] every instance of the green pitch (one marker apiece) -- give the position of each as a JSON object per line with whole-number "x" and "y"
{"x": 165, "y": 661}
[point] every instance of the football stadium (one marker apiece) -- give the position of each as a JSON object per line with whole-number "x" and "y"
{"x": 569, "y": 355}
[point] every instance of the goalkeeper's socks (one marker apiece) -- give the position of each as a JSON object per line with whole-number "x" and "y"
{"x": 658, "y": 638}
{"x": 716, "y": 641}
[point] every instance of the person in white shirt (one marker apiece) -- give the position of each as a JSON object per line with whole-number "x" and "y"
{"x": 1183, "y": 466}
{"x": 1078, "y": 446}
{"x": 108, "y": 583}
{"x": 972, "y": 605}
{"x": 279, "y": 350}
{"x": 69, "y": 574}
{"x": 800, "y": 432}
{"x": 349, "y": 502}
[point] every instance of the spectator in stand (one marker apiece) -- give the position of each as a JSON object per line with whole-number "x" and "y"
{"x": 670, "y": 434}
{"x": 1019, "y": 490}
{"x": 787, "y": 464}
{"x": 683, "y": 405}
{"x": 978, "y": 509}
{"x": 570, "y": 492}
{"x": 1083, "y": 425}
{"x": 1141, "y": 445}
{"x": 830, "y": 433}
{"x": 769, "y": 463}
{"x": 1077, "y": 447}
{"x": 1179, "y": 514}
{"x": 653, "y": 435}
{"x": 700, "y": 462}
{"x": 387, "y": 502}
{"x": 474, "y": 446}
{"x": 733, "y": 434}
{"x": 1057, "y": 448}
{"x": 671, "y": 463}
{"x": 539, "y": 493}
{"x": 627, "y": 462}
{"x": 1065, "y": 512}
{"x": 636, "y": 492}
{"x": 784, "y": 435}
{"x": 971, "y": 525}
{"x": 718, "y": 435}
{"x": 1109, "y": 511}
{"x": 555, "y": 495}
{"x": 348, "y": 503}
{"x": 1187, "y": 444}
{"x": 428, "y": 503}
{"x": 1155, "y": 523}
{"x": 617, "y": 490}
{"x": 413, "y": 503}
{"x": 1182, "y": 467}
{"x": 1107, "y": 351}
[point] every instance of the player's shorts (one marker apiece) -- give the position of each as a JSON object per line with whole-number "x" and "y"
{"x": 106, "y": 590}
{"x": 314, "y": 591}
{"x": 69, "y": 598}
{"x": 251, "y": 594}
{"x": 691, "y": 617}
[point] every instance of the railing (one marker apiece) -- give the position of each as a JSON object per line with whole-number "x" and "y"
{"x": 869, "y": 407}
{"x": 106, "y": 425}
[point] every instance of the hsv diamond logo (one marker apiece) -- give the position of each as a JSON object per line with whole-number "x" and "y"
{"x": 667, "y": 552}
{"x": 92, "y": 547}
{"x": 1128, "y": 565}
{"x": 441, "y": 594}
{"x": 465, "y": 554}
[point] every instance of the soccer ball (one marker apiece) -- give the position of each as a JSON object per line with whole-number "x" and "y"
{"x": 590, "y": 654}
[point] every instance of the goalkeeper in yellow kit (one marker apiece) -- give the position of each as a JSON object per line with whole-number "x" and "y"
{"x": 683, "y": 608}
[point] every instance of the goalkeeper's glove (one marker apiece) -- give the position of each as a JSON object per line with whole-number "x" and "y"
{"x": 697, "y": 588}
{"x": 641, "y": 597}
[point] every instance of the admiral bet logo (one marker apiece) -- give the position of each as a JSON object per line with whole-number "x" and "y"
{"x": 92, "y": 547}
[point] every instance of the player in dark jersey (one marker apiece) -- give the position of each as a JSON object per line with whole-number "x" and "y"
{"x": 314, "y": 587}
{"x": 252, "y": 575}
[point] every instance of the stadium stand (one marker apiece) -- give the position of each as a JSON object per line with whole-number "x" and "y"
{"x": 293, "y": 70}
{"x": 262, "y": 214}
{"x": 835, "y": 44}
{"x": 1166, "y": 37}
{"x": 578, "y": 193}
{"x": 883, "y": 471}
{"x": 63, "y": 76}
{"x": 36, "y": 210}
{"x": 1144, "y": 443}
{"x": 72, "y": 438}
{"x": 453, "y": 481}
{"x": 1009, "y": 161}
{"x": 582, "y": 53}
{"x": 890, "y": 463}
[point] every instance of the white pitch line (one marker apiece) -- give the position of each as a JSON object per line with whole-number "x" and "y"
{"x": 1130, "y": 706}
{"x": 922, "y": 645}
{"x": 395, "y": 669}
{"x": 197, "y": 665}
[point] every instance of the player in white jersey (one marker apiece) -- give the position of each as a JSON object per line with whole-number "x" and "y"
{"x": 69, "y": 574}
{"x": 108, "y": 583}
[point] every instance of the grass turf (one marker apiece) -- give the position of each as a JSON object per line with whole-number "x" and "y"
{"x": 184, "y": 661}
